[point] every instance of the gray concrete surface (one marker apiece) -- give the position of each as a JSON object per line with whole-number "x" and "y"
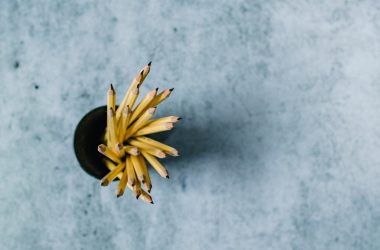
{"x": 279, "y": 141}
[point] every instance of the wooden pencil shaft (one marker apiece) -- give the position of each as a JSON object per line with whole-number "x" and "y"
{"x": 112, "y": 175}
{"x": 137, "y": 189}
{"x": 133, "y": 97}
{"x": 138, "y": 169}
{"x": 111, "y": 98}
{"x": 136, "y": 82}
{"x": 103, "y": 149}
{"x": 130, "y": 171}
{"x": 154, "y": 151}
{"x": 166, "y": 148}
{"x": 144, "y": 168}
{"x": 171, "y": 119}
{"x": 154, "y": 129}
{"x": 122, "y": 184}
{"x": 156, "y": 164}
{"x": 160, "y": 97}
{"x": 124, "y": 123}
{"x": 111, "y": 122}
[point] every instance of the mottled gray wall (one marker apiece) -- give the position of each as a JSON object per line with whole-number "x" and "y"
{"x": 280, "y": 138}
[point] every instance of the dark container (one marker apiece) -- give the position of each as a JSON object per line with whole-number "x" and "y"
{"x": 88, "y": 135}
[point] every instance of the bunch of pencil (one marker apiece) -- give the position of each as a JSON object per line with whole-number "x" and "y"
{"x": 127, "y": 147}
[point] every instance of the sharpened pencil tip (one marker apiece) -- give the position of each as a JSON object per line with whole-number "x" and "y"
{"x": 179, "y": 118}
{"x": 150, "y": 63}
{"x": 167, "y": 177}
{"x": 111, "y": 87}
{"x": 151, "y": 202}
{"x": 171, "y": 89}
{"x": 156, "y": 89}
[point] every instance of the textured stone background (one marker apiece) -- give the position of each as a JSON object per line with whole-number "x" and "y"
{"x": 280, "y": 138}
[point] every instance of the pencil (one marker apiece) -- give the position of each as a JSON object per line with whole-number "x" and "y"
{"x": 111, "y": 100}
{"x": 138, "y": 168}
{"x": 133, "y": 97}
{"x": 146, "y": 71}
{"x": 122, "y": 184}
{"x": 166, "y": 148}
{"x": 154, "y": 129}
{"x": 137, "y": 81}
{"x": 147, "y": 148}
{"x": 124, "y": 123}
{"x": 161, "y": 170}
{"x": 161, "y": 97}
{"x": 103, "y": 149}
{"x": 111, "y": 126}
{"x": 147, "y": 183}
{"x": 172, "y": 119}
{"x": 111, "y": 97}
{"x": 112, "y": 174}
{"x": 142, "y": 105}
{"x": 131, "y": 172}
{"x": 137, "y": 189}
{"x": 146, "y": 197}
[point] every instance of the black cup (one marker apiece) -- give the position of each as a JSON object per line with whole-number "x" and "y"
{"x": 89, "y": 134}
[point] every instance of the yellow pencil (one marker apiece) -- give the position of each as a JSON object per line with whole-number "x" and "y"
{"x": 131, "y": 171}
{"x": 154, "y": 129}
{"x": 161, "y": 170}
{"x": 133, "y": 97}
{"x": 144, "y": 168}
{"x": 111, "y": 97}
{"x": 111, "y": 127}
{"x": 147, "y": 148}
{"x": 103, "y": 149}
{"x": 123, "y": 123}
{"x": 154, "y": 151}
{"x": 146, "y": 197}
{"x": 138, "y": 168}
{"x": 146, "y": 71}
{"x": 112, "y": 174}
{"x": 172, "y": 119}
{"x": 149, "y": 141}
{"x": 111, "y": 102}
{"x": 137, "y": 189}
{"x": 137, "y": 81}
{"x": 143, "y": 105}
{"x": 161, "y": 97}
{"x": 122, "y": 184}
